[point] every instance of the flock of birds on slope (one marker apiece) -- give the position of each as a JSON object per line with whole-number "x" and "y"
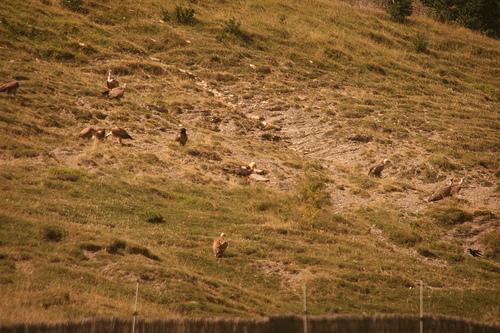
{"x": 115, "y": 91}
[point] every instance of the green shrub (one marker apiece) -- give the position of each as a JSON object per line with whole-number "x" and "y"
{"x": 142, "y": 251}
{"x": 420, "y": 43}
{"x": 492, "y": 244}
{"x": 90, "y": 247}
{"x": 165, "y": 15}
{"x": 425, "y": 252}
{"x": 233, "y": 27}
{"x": 154, "y": 218}
{"x": 184, "y": 15}
{"x": 312, "y": 190}
{"x": 73, "y": 5}
{"x": 451, "y": 216}
{"x": 116, "y": 246}
{"x": 53, "y": 234}
{"x": 399, "y": 9}
{"x": 66, "y": 174}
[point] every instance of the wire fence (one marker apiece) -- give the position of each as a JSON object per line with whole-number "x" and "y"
{"x": 276, "y": 324}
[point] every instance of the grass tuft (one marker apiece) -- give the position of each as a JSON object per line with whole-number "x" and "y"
{"x": 52, "y": 233}
{"x": 116, "y": 246}
{"x": 154, "y": 217}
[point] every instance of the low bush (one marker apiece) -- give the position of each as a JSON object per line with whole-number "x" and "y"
{"x": 400, "y": 9}
{"x": 52, "y": 234}
{"x": 154, "y": 217}
{"x": 233, "y": 27}
{"x": 420, "y": 43}
{"x": 142, "y": 251}
{"x": 184, "y": 15}
{"x": 451, "y": 216}
{"x": 73, "y": 5}
{"x": 116, "y": 246}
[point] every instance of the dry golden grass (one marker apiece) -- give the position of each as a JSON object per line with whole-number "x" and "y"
{"x": 320, "y": 70}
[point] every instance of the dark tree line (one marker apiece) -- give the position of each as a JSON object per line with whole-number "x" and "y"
{"x": 483, "y": 15}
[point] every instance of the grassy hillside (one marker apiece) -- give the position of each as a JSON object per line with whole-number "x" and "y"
{"x": 81, "y": 221}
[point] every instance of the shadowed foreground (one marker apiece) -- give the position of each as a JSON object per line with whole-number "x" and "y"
{"x": 276, "y": 324}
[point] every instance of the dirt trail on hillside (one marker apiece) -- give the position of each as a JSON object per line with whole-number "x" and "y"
{"x": 305, "y": 128}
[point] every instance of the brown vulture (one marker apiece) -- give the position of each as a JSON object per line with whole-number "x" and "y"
{"x": 115, "y": 93}
{"x": 219, "y": 246}
{"x": 120, "y": 134}
{"x": 87, "y": 133}
{"x": 182, "y": 136}
{"x": 10, "y": 87}
{"x": 111, "y": 82}
{"x": 455, "y": 189}
{"x": 100, "y": 134}
{"x": 442, "y": 192}
{"x": 376, "y": 170}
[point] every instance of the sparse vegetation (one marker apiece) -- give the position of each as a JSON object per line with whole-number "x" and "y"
{"x": 66, "y": 174}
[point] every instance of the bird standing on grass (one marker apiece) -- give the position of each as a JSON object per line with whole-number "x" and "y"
{"x": 120, "y": 134}
{"x": 100, "y": 134}
{"x": 10, "y": 87}
{"x": 115, "y": 93}
{"x": 376, "y": 170}
{"x": 87, "y": 133}
{"x": 442, "y": 192}
{"x": 219, "y": 246}
{"x": 475, "y": 252}
{"x": 455, "y": 189}
{"x": 111, "y": 82}
{"x": 182, "y": 136}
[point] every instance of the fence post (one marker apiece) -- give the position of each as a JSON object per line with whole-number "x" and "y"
{"x": 421, "y": 307}
{"x": 135, "y": 306}
{"x": 305, "y": 307}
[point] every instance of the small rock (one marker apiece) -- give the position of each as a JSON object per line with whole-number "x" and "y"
{"x": 258, "y": 178}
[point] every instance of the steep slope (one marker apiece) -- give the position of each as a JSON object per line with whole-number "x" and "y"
{"x": 81, "y": 221}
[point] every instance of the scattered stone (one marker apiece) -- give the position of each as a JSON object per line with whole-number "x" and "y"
{"x": 265, "y": 126}
{"x": 258, "y": 178}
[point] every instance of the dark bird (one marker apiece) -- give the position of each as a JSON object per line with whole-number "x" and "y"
{"x": 10, "y": 87}
{"x": 376, "y": 170}
{"x": 111, "y": 82}
{"x": 115, "y": 93}
{"x": 219, "y": 246}
{"x": 455, "y": 189}
{"x": 182, "y": 136}
{"x": 100, "y": 134}
{"x": 87, "y": 133}
{"x": 475, "y": 252}
{"x": 442, "y": 192}
{"x": 120, "y": 134}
